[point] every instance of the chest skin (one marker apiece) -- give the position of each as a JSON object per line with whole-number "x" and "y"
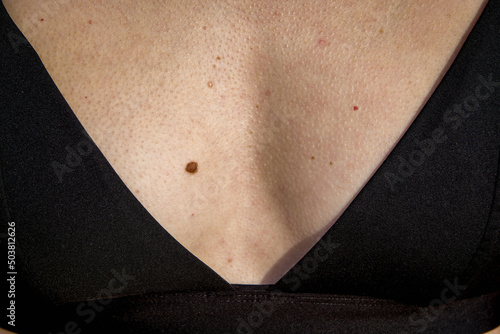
{"x": 287, "y": 108}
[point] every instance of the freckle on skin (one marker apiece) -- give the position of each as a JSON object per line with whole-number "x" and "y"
{"x": 312, "y": 158}
{"x": 192, "y": 167}
{"x": 218, "y": 58}
{"x": 90, "y": 21}
{"x": 229, "y": 260}
{"x": 210, "y": 84}
{"x": 204, "y": 27}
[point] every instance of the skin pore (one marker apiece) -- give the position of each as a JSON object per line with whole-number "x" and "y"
{"x": 287, "y": 108}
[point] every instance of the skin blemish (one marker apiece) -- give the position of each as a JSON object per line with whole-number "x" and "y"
{"x": 331, "y": 163}
{"x": 381, "y": 30}
{"x": 192, "y": 167}
{"x": 218, "y": 58}
{"x": 312, "y": 158}
{"x": 229, "y": 260}
{"x": 268, "y": 93}
{"x": 86, "y": 97}
{"x": 356, "y": 108}
{"x": 210, "y": 84}
{"x": 192, "y": 214}
{"x": 322, "y": 42}
{"x": 42, "y": 19}
{"x": 204, "y": 27}
{"x": 137, "y": 191}
{"x": 90, "y": 21}
{"x": 257, "y": 106}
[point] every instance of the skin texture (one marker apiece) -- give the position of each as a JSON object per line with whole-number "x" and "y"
{"x": 287, "y": 108}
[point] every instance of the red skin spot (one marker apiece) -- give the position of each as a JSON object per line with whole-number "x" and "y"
{"x": 90, "y": 21}
{"x": 41, "y": 20}
{"x": 322, "y": 42}
{"x": 268, "y": 93}
{"x": 85, "y": 96}
{"x": 356, "y": 108}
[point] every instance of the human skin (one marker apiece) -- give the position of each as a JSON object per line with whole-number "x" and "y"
{"x": 287, "y": 110}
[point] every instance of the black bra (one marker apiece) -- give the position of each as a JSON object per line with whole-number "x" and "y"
{"x": 418, "y": 250}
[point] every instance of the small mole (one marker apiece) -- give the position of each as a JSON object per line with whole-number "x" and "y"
{"x": 42, "y": 19}
{"x": 204, "y": 27}
{"x": 312, "y": 158}
{"x": 251, "y": 132}
{"x": 86, "y": 96}
{"x": 257, "y": 106}
{"x": 192, "y": 167}
{"x": 218, "y": 58}
{"x": 356, "y": 108}
{"x": 381, "y": 30}
{"x": 229, "y": 260}
{"x": 331, "y": 163}
{"x": 90, "y": 21}
{"x": 192, "y": 214}
{"x": 210, "y": 84}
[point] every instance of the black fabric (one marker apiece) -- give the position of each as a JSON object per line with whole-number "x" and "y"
{"x": 423, "y": 232}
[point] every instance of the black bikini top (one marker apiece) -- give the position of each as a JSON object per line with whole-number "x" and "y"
{"x": 423, "y": 232}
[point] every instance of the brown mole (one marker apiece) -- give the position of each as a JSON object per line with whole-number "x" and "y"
{"x": 192, "y": 167}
